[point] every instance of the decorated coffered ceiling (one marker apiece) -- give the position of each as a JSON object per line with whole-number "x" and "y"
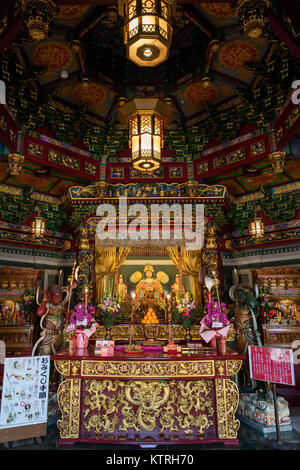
{"x": 76, "y": 75}
{"x": 230, "y": 93}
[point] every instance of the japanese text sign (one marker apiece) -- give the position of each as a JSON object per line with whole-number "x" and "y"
{"x": 25, "y": 391}
{"x": 272, "y": 364}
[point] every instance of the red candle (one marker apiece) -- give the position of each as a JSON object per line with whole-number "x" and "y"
{"x": 86, "y": 296}
{"x": 209, "y": 296}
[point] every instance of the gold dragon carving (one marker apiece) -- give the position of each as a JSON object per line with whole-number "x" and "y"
{"x": 185, "y": 406}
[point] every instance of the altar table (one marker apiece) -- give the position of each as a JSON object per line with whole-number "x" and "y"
{"x": 149, "y": 398}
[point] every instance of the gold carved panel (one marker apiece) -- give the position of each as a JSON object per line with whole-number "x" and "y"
{"x": 68, "y": 396}
{"x": 227, "y": 398}
{"x": 148, "y": 369}
{"x": 117, "y": 408}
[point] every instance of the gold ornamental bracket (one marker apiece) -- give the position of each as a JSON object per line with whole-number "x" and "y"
{"x": 15, "y": 163}
{"x": 93, "y": 194}
{"x": 38, "y": 16}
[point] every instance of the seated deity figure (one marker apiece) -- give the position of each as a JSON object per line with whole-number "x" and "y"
{"x": 122, "y": 294}
{"x": 149, "y": 291}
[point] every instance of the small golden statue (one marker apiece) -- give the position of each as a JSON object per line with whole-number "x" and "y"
{"x": 176, "y": 289}
{"x": 122, "y": 292}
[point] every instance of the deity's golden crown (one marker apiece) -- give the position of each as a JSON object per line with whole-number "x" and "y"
{"x": 148, "y": 267}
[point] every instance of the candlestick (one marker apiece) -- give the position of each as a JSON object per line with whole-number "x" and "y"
{"x": 71, "y": 280}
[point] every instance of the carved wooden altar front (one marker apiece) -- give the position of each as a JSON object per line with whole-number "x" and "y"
{"x": 152, "y": 398}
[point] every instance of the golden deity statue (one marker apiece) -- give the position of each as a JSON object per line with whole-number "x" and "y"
{"x": 122, "y": 294}
{"x": 176, "y": 290}
{"x": 149, "y": 291}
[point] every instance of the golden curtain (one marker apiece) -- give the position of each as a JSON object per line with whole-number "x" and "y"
{"x": 191, "y": 265}
{"x": 105, "y": 263}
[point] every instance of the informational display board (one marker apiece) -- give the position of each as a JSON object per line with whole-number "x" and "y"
{"x": 25, "y": 391}
{"x": 272, "y": 365}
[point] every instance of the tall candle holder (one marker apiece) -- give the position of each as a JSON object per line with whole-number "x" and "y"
{"x": 170, "y": 329}
{"x": 71, "y": 279}
{"x": 131, "y": 329}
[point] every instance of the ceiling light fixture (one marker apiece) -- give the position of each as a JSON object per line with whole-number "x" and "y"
{"x": 257, "y": 226}
{"x": 147, "y": 30}
{"x": 38, "y": 226}
{"x": 145, "y": 118}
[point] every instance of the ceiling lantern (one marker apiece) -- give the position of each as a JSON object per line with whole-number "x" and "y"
{"x": 38, "y": 16}
{"x": 147, "y": 30}
{"x": 38, "y": 227}
{"x": 145, "y": 118}
{"x": 253, "y": 16}
{"x": 257, "y": 228}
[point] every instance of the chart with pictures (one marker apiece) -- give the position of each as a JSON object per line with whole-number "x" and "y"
{"x": 25, "y": 391}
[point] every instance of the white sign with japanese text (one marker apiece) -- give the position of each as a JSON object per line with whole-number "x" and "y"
{"x": 25, "y": 391}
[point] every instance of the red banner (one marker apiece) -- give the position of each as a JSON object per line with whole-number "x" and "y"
{"x": 272, "y": 365}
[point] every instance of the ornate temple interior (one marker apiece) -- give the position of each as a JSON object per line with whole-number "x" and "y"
{"x": 149, "y": 224}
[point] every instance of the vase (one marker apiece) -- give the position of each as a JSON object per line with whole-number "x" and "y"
{"x": 108, "y": 334}
{"x": 221, "y": 346}
{"x": 213, "y": 342}
{"x": 82, "y": 340}
{"x": 188, "y": 337}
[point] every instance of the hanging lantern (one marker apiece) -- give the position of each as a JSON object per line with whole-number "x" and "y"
{"x": 257, "y": 228}
{"x": 15, "y": 163}
{"x": 145, "y": 118}
{"x": 38, "y": 227}
{"x": 253, "y": 16}
{"x": 38, "y": 16}
{"x": 147, "y": 30}
{"x": 278, "y": 161}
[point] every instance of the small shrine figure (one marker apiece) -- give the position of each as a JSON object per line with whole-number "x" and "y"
{"x": 176, "y": 289}
{"x": 52, "y": 313}
{"x": 122, "y": 292}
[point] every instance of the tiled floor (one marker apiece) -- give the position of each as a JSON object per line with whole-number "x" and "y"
{"x": 249, "y": 438}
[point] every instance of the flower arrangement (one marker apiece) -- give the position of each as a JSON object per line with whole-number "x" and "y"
{"x": 185, "y": 311}
{"x": 108, "y": 309}
{"x": 215, "y": 314}
{"x": 215, "y": 323}
{"x": 82, "y": 323}
{"x": 28, "y": 300}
